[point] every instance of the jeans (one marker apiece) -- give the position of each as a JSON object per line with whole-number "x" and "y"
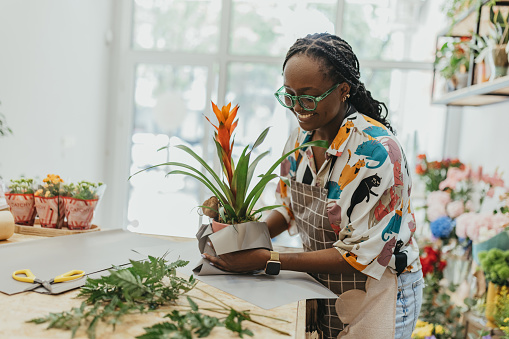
{"x": 408, "y": 303}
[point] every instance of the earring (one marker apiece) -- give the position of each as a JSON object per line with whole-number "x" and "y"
{"x": 345, "y": 97}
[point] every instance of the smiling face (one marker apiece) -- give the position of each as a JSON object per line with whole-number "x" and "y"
{"x": 305, "y": 75}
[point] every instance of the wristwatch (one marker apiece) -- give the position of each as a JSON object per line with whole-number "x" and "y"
{"x": 273, "y": 265}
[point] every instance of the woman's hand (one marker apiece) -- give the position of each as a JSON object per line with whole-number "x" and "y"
{"x": 241, "y": 261}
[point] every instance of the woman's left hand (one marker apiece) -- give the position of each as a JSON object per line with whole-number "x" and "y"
{"x": 241, "y": 261}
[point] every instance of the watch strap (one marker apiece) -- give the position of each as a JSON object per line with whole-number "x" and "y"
{"x": 274, "y": 256}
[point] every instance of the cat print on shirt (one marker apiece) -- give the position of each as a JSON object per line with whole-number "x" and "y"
{"x": 373, "y": 150}
{"x": 375, "y": 131}
{"x": 334, "y": 214}
{"x": 342, "y": 135}
{"x": 362, "y": 192}
{"x": 349, "y": 173}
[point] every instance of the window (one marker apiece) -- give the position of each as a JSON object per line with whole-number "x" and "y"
{"x": 184, "y": 53}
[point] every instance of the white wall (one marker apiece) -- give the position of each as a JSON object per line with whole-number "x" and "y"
{"x": 54, "y": 82}
{"x": 484, "y": 138}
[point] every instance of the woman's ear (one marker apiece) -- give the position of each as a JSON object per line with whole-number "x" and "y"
{"x": 344, "y": 89}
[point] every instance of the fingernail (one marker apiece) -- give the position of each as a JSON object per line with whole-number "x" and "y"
{"x": 203, "y": 256}
{"x": 211, "y": 263}
{"x": 209, "y": 243}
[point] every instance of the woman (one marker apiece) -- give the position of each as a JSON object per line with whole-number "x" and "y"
{"x": 350, "y": 203}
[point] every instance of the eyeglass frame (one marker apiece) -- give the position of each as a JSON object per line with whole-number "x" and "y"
{"x": 296, "y": 98}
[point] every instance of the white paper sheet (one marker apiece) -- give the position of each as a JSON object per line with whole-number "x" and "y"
{"x": 261, "y": 290}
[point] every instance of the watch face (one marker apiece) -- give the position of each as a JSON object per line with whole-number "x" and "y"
{"x": 273, "y": 267}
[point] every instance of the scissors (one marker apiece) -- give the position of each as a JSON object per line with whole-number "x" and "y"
{"x": 29, "y": 277}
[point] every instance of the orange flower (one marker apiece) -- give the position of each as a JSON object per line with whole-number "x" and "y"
{"x": 227, "y": 125}
{"x": 419, "y": 169}
{"x": 421, "y": 156}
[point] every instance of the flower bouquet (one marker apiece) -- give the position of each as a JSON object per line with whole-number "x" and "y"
{"x": 20, "y": 198}
{"x": 425, "y": 330}
{"x": 235, "y": 222}
{"x": 495, "y": 264}
{"x": 80, "y": 201}
{"x": 49, "y": 204}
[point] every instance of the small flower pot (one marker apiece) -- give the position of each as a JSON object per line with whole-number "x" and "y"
{"x": 50, "y": 211}
{"x": 22, "y": 207}
{"x": 217, "y": 226}
{"x": 79, "y": 213}
{"x": 500, "y": 60}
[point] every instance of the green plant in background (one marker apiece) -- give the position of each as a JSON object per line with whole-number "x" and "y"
{"x": 500, "y": 26}
{"x": 453, "y": 57}
{"x": 4, "y": 129}
{"x": 454, "y": 7}
{"x": 84, "y": 190}
{"x": 495, "y": 264}
{"x": 21, "y": 186}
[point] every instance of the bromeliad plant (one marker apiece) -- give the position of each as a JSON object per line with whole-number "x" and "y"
{"x": 232, "y": 202}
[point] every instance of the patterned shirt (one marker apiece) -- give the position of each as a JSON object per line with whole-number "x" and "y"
{"x": 369, "y": 194}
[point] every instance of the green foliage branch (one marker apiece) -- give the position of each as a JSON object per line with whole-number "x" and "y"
{"x": 147, "y": 286}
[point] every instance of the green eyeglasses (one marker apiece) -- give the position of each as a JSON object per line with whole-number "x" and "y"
{"x": 308, "y": 102}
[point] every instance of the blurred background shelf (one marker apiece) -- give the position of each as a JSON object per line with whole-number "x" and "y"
{"x": 477, "y": 95}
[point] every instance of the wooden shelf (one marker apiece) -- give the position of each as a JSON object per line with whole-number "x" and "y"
{"x": 490, "y": 92}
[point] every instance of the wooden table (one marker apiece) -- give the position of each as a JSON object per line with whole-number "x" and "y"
{"x": 15, "y": 310}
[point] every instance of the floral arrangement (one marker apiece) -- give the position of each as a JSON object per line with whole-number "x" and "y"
{"x": 495, "y": 264}
{"x": 437, "y": 307}
{"x": 425, "y": 330}
{"x": 453, "y": 208}
{"x": 50, "y": 187}
{"x": 434, "y": 172}
{"x": 431, "y": 262}
{"x": 232, "y": 201}
{"x": 21, "y": 186}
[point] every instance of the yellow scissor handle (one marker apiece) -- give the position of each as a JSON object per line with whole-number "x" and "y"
{"x": 29, "y": 276}
{"x": 71, "y": 275}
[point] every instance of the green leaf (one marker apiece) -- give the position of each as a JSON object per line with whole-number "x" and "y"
{"x": 193, "y": 305}
{"x": 266, "y": 208}
{"x": 252, "y": 167}
{"x": 260, "y": 138}
{"x": 221, "y": 198}
{"x": 256, "y": 190}
{"x": 239, "y": 180}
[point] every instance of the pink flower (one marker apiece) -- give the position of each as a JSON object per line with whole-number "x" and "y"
{"x": 454, "y": 176}
{"x": 500, "y": 221}
{"x": 477, "y": 175}
{"x": 495, "y": 180}
{"x": 436, "y": 202}
{"x": 463, "y": 222}
{"x": 469, "y": 206}
{"x": 455, "y": 209}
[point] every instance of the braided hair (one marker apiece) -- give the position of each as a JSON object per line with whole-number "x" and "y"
{"x": 341, "y": 65}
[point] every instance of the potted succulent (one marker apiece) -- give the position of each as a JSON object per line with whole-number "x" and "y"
{"x": 452, "y": 60}
{"x": 20, "y": 198}
{"x": 80, "y": 201}
{"x": 49, "y": 203}
{"x": 495, "y": 264}
{"x": 232, "y": 207}
{"x": 499, "y": 32}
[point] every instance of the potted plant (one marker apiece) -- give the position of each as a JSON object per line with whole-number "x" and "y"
{"x": 232, "y": 207}
{"x": 495, "y": 264}
{"x": 80, "y": 201}
{"x": 452, "y": 60}
{"x": 20, "y": 198}
{"x": 49, "y": 203}
{"x": 499, "y": 31}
